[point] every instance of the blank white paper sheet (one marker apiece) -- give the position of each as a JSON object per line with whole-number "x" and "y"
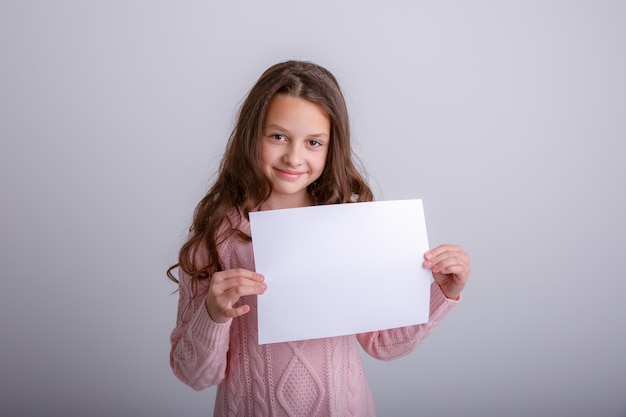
{"x": 340, "y": 269}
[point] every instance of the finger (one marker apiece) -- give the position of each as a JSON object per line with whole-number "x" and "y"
{"x": 237, "y": 283}
{"x": 443, "y": 262}
{"x": 238, "y": 273}
{"x": 239, "y": 311}
{"x": 442, "y": 249}
{"x": 228, "y": 286}
{"x": 437, "y": 256}
{"x": 446, "y": 259}
{"x": 458, "y": 271}
{"x": 226, "y": 280}
{"x": 235, "y": 292}
{"x": 226, "y": 299}
{"x": 224, "y": 314}
{"x": 221, "y": 302}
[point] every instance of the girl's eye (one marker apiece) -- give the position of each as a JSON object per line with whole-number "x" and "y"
{"x": 314, "y": 143}
{"x": 278, "y": 137}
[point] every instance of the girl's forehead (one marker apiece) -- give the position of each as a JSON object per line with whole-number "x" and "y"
{"x": 282, "y": 104}
{"x": 292, "y": 114}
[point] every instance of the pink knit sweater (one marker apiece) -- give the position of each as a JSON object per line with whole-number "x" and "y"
{"x": 320, "y": 377}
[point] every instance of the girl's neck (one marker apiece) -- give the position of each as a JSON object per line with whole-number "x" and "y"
{"x": 285, "y": 202}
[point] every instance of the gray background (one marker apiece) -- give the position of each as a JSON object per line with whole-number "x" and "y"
{"x": 507, "y": 118}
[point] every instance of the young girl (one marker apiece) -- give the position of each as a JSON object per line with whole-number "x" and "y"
{"x": 290, "y": 148}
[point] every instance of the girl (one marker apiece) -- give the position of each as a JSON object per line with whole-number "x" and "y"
{"x": 290, "y": 148}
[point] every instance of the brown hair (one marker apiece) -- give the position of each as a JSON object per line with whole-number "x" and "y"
{"x": 240, "y": 182}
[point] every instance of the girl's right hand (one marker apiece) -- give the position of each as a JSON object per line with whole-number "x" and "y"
{"x": 227, "y": 287}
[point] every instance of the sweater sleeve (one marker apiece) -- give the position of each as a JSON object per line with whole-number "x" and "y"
{"x": 199, "y": 346}
{"x": 395, "y": 343}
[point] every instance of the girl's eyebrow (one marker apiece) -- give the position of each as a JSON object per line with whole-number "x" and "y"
{"x": 282, "y": 129}
{"x": 275, "y": 127}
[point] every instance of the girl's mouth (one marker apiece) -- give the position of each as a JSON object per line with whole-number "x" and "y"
{"x": 287, "y": 174}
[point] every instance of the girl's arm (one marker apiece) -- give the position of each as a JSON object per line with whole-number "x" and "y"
{"x": 199, "y": 345}
{"x": 395, "y": 343}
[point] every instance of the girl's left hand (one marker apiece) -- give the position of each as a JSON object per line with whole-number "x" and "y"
{"x": 450, "y": 268}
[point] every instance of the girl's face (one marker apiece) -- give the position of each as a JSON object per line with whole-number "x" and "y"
{"x": 294, "y": 145}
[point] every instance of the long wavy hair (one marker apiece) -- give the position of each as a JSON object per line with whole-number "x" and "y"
{"x": 241, "y": 185}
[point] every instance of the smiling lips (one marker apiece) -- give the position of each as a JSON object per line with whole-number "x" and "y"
{"x": 288, "y": 175}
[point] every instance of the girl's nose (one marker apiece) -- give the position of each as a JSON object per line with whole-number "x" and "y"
{"x": 293, "y": 155}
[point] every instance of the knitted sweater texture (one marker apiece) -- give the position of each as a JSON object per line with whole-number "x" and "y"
{"x": 319, "y": 377}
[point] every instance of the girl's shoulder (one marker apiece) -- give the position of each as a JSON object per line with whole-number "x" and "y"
{"x": 234, "y": 244}
{"x": 235, "y": 227}
{"x": 235, "y": 220}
